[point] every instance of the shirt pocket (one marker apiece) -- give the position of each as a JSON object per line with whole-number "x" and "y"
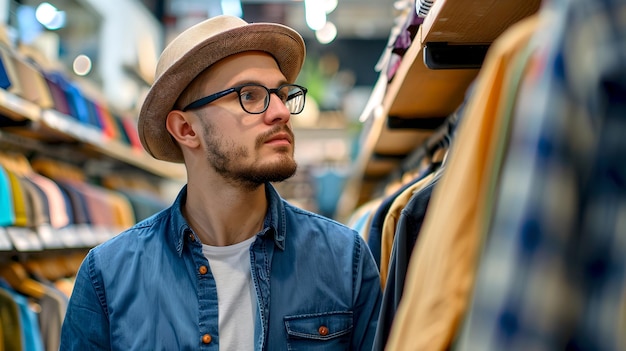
{"x": 319, "y": 331}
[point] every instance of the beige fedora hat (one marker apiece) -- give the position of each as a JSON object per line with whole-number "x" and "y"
{"x": 192, "y": 52}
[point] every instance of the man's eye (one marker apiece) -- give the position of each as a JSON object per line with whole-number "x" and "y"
{"x": 250, "y": 95}
{"x": 246, "y": 96}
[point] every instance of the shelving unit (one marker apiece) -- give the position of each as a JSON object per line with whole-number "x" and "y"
{"x": 17, "y": 108}
{"x": 418, "y": 94}
{"x": 95, "y": 141}
{"x": 101, "y": 145}
{"x": 46, "y": 125}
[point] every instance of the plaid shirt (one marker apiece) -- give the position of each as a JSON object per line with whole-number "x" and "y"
{"x": 552, "y": 273}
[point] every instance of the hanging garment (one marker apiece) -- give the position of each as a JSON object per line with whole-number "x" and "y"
{"x": 361, "y": 218}
{"x": 80, "y": 211}
{"x": 441, "y": 271}
{"x": 553, "y": 272}
{"x": 5, "y": 80}
{"x": 29, "y": 325}
{"x": 39, "y": 213}
{"x": 391, "y": 220}
{"x": 423, "y": 7}
{"x": 407, "y": 232}
{"x": 57, "y": 210}
{"x": 7, "y": 211}
{"x": 6, "y": 53}
{"x": 10, "y": 322}
{"x": 374, "y": 238}
{"x": 21, "y": 201}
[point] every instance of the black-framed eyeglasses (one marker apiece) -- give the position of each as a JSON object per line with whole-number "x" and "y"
{"x": 255, "y": 98}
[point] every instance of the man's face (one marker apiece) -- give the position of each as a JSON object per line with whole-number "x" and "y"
{"x": 246, "y": 149}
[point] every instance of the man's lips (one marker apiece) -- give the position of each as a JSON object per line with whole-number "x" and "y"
{"x": 280, "y": 138}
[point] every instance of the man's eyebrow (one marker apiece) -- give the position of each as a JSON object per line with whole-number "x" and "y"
{"x": 253, "y": 81}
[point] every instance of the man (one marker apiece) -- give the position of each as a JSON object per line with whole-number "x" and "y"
{"x": 230, "y": 266}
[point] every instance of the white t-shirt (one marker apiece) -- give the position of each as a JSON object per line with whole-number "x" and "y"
{"x": 230, "y": 266}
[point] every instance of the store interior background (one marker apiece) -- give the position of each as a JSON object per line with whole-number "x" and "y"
{"x": 117, "y": 43}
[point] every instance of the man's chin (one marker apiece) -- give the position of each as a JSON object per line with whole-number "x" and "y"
{"x": 282, "y": 173}
{"x": 274, "y": 173}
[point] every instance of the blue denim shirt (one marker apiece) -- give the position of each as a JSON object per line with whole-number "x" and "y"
{"x": 151, "y": 287}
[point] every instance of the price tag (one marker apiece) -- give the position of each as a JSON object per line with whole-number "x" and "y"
{"x": 5, "y": 241}
{"x": 24, "y": 239}
{"x": 49, "y": 237}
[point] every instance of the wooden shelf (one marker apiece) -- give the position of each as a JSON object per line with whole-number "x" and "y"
{"x": 52, "y": 126}
{"x": 398, "y": 142}
{"x": 94, "y": 139}
{"x": 473, "y": 21}
{"x": 17, "y": 108}
{"x": 416, "y": 91}
{"x": 140, "y": 159}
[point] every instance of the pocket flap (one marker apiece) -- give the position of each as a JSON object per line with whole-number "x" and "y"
{"x": 320, "y": 326}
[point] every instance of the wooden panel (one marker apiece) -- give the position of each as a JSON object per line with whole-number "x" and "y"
{"x": 379, "y": 169}
{"x": 399, "y": 142}
{"x": 417, "y": 91}
{"x": 472, "y": 21}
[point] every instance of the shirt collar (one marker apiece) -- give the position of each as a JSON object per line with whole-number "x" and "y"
{"x": 275, "y": 219}
{"x": 274, "y": 224}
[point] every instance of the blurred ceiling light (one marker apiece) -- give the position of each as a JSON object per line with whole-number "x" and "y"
{"x": 82, "y": 65}
{"x": 232, "y": 7}
{"x": 315, "y": 14}
{"x": 330, "y": 5}
{"x": 326, "y": 34}
{"x": 400, "y": 5}
{"x": 49, "y": 16}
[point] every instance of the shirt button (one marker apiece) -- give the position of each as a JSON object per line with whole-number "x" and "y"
{"x": 191, "y": 237}
{"x": 203, "y": 270}
{"x": 323, "y": 330}
{"x": 206, "y": 338}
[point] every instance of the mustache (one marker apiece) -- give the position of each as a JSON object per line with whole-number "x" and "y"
{"x": 278, "y": 129}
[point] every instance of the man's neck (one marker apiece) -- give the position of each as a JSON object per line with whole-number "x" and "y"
{"x": 223, "y": 215}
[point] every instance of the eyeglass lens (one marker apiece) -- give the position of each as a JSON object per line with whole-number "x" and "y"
{"x": 256, "y": 99}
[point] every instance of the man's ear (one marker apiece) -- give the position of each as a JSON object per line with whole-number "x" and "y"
{"x": 179, "y": 125}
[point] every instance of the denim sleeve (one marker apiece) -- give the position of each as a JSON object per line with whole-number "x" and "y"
{"x": 86, "y": 324}
{"x": 367, "y": 298}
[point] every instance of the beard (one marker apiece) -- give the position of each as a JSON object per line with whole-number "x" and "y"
{"x": 226, "y": 157}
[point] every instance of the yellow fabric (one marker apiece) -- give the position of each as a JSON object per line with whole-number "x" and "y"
{"x": 442, "y": 267}
{"x": 57, "y": 170}
{"x": 10, "y": 321}
{"x": 122, "y": 209}
{"x": 391, "y": 221}
{"x": 1, "y": 338}
{"x": 20, "y": 204}
{"x": 367, "y": 209}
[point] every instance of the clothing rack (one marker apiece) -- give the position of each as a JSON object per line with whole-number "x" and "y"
{"x": 31, "y": 147}
{"x": 440, "y": 139}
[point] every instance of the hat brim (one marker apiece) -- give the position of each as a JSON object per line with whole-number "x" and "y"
{"x": 283, "y": 43}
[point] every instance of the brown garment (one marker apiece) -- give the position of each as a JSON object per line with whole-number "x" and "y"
{"x": 10, "y": 323}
